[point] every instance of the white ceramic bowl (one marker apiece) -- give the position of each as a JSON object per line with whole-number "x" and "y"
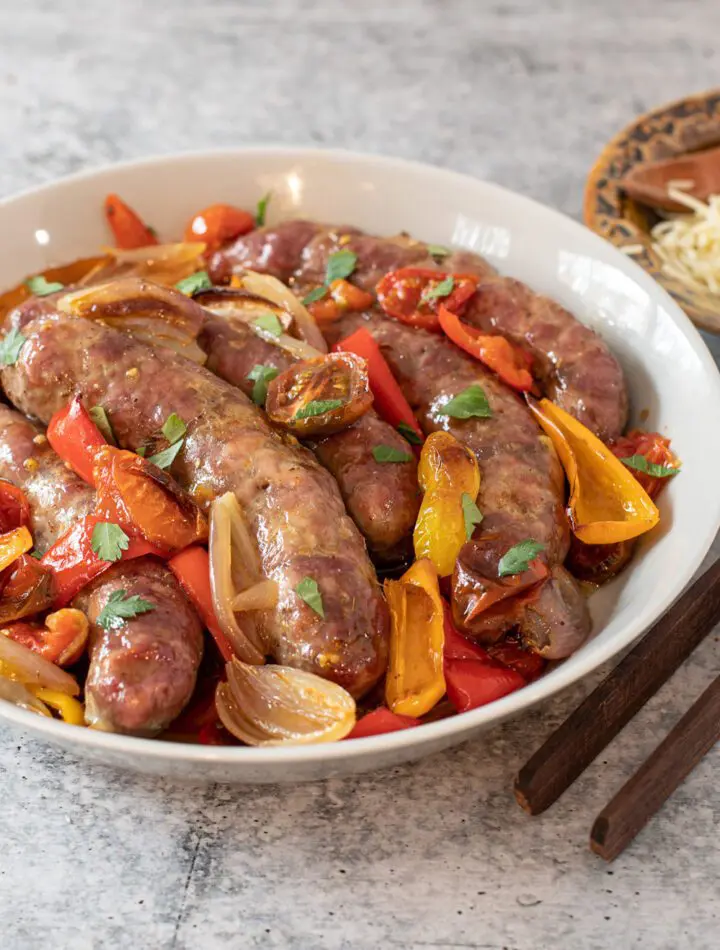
{"x": 670, "y": 372}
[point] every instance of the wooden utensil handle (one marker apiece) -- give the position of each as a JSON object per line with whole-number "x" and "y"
{"x": 654, "y": 782}
{"x": 577, "y": 742}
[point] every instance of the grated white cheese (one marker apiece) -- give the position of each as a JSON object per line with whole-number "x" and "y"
{"x": 689, "y": 244}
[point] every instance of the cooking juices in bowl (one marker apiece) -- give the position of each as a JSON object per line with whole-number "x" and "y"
{"x": 300, "y": 484}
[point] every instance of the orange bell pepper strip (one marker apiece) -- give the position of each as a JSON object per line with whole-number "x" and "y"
{"x": 13, "y": 544}
{"x": 217, "y": 224}
{"x": 192, "y": 569}
{"x": 607, "y": 504}
{"x": 448, "y": 474}
{"x": 343, "y": 297}
{"x": 390, "y": 402}
{"x": 415, "y": 680}
{"x": 128, "y": 228}
{"x": 60, "y": 639}
{"x": 510, "y": 363}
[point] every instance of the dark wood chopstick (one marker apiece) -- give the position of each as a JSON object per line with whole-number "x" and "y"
{"x": 659, "y": 776}
{"x": 593, "y": 725}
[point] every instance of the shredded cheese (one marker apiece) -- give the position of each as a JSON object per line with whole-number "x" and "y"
{"x": 689, "y": 245}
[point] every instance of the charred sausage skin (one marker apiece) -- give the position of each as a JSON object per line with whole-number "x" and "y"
{"x": 142, "y": 674}
{"x": 293, "y": 505}
{"x": 382, "y": 499}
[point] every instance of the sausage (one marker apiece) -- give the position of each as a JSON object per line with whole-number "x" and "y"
{"x": 382, "y": 499}
{"x": 574, "y": 365}
{"x": 521, "y": 487}
{"x": 142, "y": 674}
{"x": 277, "y": 251}
{"x": 293, "y": 506}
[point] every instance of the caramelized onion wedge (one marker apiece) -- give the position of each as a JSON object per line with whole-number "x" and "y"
{"x": 153, "y": 314}
{"x": 273, "y": 289}
{"x": 165, "y": 264}
{"x": 19, "y": 695}
{"x": 33, "y": 670}
{"x": 261, "y": 596}
{"x": 234, "y": 564}
{"x": 277, "y": 705}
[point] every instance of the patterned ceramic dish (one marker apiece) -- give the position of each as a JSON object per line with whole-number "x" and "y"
{"x": 688, "y": 125}
{"x": 674, "y": 387}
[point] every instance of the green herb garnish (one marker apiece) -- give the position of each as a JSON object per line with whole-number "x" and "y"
{"x": 195, "y": 283}
{"x": 641, "y": 464}
{"x": 472, "y": 515}
{"x": 339, "y": 266}
{"x": 268, "y": 323}
{"x": 518, "y": 558}
{"x": 141, "y": 451}
{"x": 317, "y": 407}
{"x": 174, "y": 428}
{"x": 388, "y": 453}
{"x": 101, "y": 420}
{"x": 438, "y": 251}
{"x": 435, "y": 291}
{"x": 41, "y": 287}
{"x": 261, "y": 375}
{"x": 407, "y": 432}
{"x": 261, "y": 210}
{"x": 165, "y": 458}
{"x": 120, "y": 608}
{"x": 317, "y": 294}
{"x": 471, "y": 402}
{"x": 310, "y": 593}
{"x": 10, "y": 347}
{"x": 109, "y": 541}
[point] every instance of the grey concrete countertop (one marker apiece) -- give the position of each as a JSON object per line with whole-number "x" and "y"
{"x": 523, "y": 92}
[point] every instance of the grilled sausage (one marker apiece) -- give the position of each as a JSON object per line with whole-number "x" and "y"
{"x": 521, "y": 489}
{"x": 143, "y": 673}
{"x": 292, "y": 504}
{"x": 382, "y": 499}
{"x": 574, "y": 365}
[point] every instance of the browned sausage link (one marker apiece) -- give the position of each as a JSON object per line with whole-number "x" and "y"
{"x": 293, "y": 505}
{"x": 575, "y": 366}
{"x": 142, "y": 674}
{"x": 277, "y": 251}
{"x": 522, "y": 486}
{"x": 381, "y": 498}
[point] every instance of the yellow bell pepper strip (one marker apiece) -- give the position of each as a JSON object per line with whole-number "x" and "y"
{"x": 13, "y": 544}
{"x": 70, "y": 709}
{"x": 449, "y": 476}
{"x": 415, "y": 680}
{"x": 607, "y": 504}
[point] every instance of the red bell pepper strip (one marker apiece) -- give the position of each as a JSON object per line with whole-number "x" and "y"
{"x": 217, "y": 224}
{"x": 456, "y": 646}
{"x": 509, "y": 653}
{"x": 74, "y": 563}
{"x": 379, "y": 721}
{"x": 192, "y": 569}
{"x": 128, "y": 228}
{"x": 76, "y": 438}
{"x": 14, "y": 507}
{"x": 409, "y": 294}
{"x": 509, "y": 362}
{"x": 390, "y": 402}
{"x": 471, "y": 684}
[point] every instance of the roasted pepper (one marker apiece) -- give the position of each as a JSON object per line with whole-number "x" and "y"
{"x": 415, "y": 680}
{"x": 607, "y": 504}
{"x": 449, "y": 476}
{"x": 13, "y": 544}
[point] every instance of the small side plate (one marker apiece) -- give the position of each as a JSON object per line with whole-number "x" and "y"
{"x": 687, "y": 125}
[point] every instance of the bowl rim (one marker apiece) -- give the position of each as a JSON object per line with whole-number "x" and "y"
{"x": 460, "y": 725}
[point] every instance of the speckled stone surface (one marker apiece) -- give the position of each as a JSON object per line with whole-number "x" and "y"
{"x": 436, "y": 854}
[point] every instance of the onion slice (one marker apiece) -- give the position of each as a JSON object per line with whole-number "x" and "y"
{"x": 19, "y": 695}
{"x": 261, "y": 596}
{"x": 153, "y": 314}
{"x": 278, "y": 705}
{"x": 234, "y": 563}
{"x": 273, "y": 289}
{"x": 30, "y": 668}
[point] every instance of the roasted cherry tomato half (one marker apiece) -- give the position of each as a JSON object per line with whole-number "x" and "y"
{"x": 218, "y": 224}
{"x": 655, "y": 449}
{"x": 320, "y": 396}
{"x": 413, "y": 294}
